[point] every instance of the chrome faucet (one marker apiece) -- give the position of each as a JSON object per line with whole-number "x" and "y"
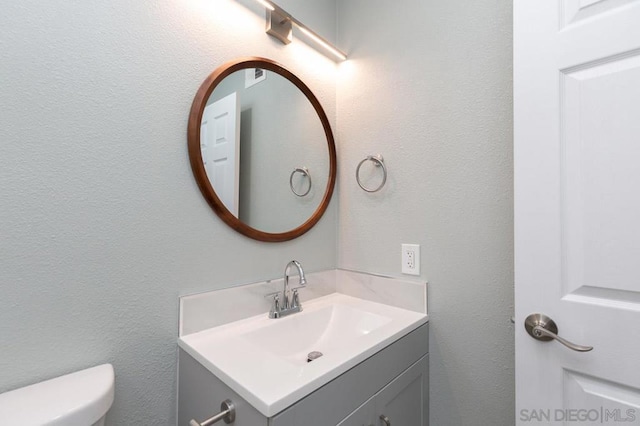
{"x": 290, "y": 304}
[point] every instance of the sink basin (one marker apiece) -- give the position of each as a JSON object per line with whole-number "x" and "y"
{"x": 265, "y": 360}
{"x": 326, "y": 329}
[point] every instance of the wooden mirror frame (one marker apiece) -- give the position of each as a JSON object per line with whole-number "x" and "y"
{"x": 195, "y": 154}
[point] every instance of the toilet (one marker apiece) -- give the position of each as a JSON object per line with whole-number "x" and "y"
{"x": 77, "y": 399}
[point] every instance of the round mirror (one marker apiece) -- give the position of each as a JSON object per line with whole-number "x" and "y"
{"x": 261, "y": 149}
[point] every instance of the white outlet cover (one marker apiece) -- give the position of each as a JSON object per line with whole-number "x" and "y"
{"x": 411, "y": 259}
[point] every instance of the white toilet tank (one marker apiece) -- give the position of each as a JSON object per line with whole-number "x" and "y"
{"x": 77, "y": 399}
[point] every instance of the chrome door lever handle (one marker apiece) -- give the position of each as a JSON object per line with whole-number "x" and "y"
{"x": 385, "y": 419}
{"x": 543, "y": 328}
{"x": 544, "y": 332}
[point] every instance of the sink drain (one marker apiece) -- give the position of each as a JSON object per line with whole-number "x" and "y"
{"x": 313, "y": 355}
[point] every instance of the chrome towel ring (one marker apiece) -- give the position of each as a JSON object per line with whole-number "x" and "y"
{"x": 379, "y": 162}
{"x": 304, "y": 172}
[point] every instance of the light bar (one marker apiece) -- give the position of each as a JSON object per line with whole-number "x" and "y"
{"x": 266, "y": 4}
{"x": 322, "y": 42}
{"x": 279, "y": 23}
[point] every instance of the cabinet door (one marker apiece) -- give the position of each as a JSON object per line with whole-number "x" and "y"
{"x": 405, "y": 401}
{"x": 363, "y": 416}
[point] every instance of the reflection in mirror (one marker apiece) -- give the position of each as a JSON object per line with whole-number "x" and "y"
{"x": 262, "y": 150}
{"x": 257, "y": 128}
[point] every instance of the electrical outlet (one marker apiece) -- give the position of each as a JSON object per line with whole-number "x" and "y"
{"x": 411, "y": 259}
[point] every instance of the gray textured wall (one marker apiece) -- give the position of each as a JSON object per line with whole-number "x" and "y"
{"x": 428, "y": 85}
{"x": 102, "y": 226}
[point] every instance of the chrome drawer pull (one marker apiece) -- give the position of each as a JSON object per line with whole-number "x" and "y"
{"x": 227, "y": 413}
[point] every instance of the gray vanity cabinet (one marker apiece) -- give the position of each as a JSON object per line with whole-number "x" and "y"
{"x": 393, "y": 382}
{"x": 404, "y": 401}
{"x": 363, "y": 416}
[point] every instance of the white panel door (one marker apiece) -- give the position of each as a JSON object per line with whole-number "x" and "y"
{"x": 577, "y": 208}
{"x": 220, "y": 146}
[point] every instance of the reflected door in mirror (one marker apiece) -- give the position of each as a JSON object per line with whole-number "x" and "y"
{"x": 220, "y": 148}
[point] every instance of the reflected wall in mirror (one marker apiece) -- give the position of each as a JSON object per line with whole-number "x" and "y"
{"x": 261, "y": 149}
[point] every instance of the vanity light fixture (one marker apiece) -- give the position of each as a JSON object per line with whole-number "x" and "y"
{"x": 280, "y": 26}
{"x": 322, "y": 42}
{"x": 266, "y": 4}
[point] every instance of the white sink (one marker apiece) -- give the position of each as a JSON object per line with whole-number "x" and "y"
{"x": 265, "y": 360}
{"x": 326, "y": 329}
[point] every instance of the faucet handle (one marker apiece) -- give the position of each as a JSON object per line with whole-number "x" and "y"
{"x": 295, "y": 299}
{"x": 275, "y": 307}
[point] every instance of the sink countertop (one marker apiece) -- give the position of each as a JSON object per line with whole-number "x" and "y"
{"x": 264, "y": 360}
